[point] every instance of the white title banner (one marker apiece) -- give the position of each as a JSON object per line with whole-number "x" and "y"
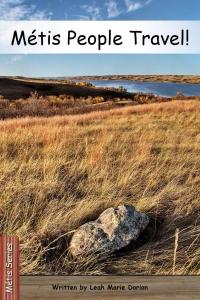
{"x": 40, "y": 37}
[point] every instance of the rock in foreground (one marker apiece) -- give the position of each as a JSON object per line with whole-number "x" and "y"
{"x": 114, "y": 229}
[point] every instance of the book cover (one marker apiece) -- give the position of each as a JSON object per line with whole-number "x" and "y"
{"x": 99, "y": 149}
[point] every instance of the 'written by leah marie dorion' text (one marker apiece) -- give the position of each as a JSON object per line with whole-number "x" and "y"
{"x": 100, "y": 287}
{"x": 137, "y": 38}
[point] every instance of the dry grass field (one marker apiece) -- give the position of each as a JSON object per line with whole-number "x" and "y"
{"x": 57, "y": 173}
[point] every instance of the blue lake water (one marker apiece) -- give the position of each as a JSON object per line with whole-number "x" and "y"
{"x": 167, "y": 89}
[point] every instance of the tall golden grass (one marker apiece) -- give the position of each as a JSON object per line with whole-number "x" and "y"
{"x": 57, "y": 173}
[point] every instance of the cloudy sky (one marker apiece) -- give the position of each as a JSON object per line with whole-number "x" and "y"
{"x": 66, "y": 65}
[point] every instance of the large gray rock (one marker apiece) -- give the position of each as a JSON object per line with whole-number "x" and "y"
{"x": 114, "y": 229}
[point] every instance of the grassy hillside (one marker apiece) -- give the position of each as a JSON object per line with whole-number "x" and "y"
{"x": 12, "y": 89}
{"x": 57, "y": 173}
{"x": 24, "y": 97}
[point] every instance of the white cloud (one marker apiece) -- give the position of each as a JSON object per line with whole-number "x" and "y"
{"x": 92, "y": 11}
{"x": 19, "y": 10}
{"x": 40, "y": 15}
{"x": 135, "y": 5}
{"x": 112, "y": 9}
{"x": 81, "y": 17}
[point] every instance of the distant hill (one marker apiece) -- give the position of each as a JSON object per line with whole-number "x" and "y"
{"x": 15, "y": 88}
{"x": 145, "y": 78}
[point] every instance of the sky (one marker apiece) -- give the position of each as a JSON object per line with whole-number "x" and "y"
{"x": 98, "y": 64}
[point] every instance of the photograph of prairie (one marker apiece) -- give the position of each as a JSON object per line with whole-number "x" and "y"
{"x": 71, "y": 151}
{"x": 100, "y": 153}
